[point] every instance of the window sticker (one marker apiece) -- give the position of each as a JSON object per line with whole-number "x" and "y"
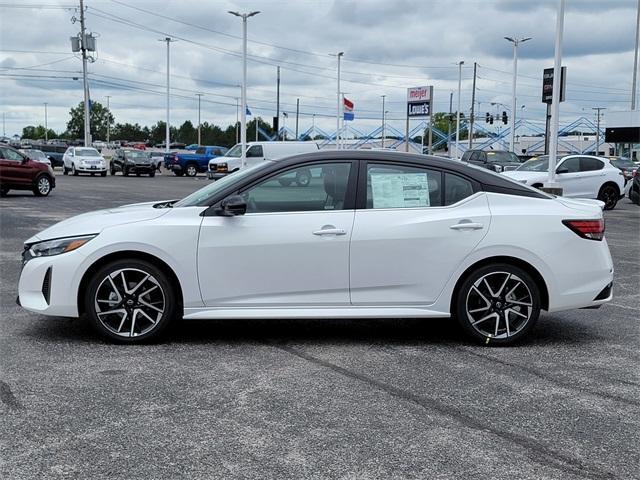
{"x": 400, "y": 190}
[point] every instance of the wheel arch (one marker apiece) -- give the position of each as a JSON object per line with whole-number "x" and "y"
{"x": 516, "y": 262}
{"x": 610, "y": 183}
{"x": 126, "y": 254}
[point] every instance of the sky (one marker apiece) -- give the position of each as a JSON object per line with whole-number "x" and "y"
{"x": 388, "y": 46}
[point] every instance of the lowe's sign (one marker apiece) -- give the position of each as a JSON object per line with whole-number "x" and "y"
{"x": 419, "y": 101}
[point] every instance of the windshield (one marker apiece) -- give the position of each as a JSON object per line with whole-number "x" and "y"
{"x": 502, "y": 157}
{"x": 236, "y": 151}
{"x": 87, "y": 152}
{"x": 137, "y": 154}
{"x": 200, "y": 197}
{"x": 537, "y": 164}
{"x": 622, "y": 163}
{"x": 36, "y": 155}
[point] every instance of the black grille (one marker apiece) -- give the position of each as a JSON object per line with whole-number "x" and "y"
{"x": 605, "y": 293}
{"x": 46, "y": 286}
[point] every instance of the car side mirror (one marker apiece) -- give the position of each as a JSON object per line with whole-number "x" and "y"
{"x": 562, "y": 170}
{"x": 232, "y": 206}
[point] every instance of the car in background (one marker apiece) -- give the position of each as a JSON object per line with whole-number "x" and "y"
{"x": 496, "y": 160}
{"x": 192, "y": 163}
{"x": 130, "y": 160}
{"x": 19, "y": 172}
{"x": 258, "y": 152}
{"x": 626, "y": 166}
{"x": 36, "y": 155}
{"x": 55, "y": 153}
{"x": 99, "y": 145}
{"x": 192, "y": 147}
{"x": 84, "y": 160}
{"x": 634, "y": 188}
{"x": 580, "y": 176}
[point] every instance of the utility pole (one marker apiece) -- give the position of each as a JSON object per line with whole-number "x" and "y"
{"x": 552, "y": 186}
{"x": 297, "y": 115}
{"x": 83, "y": 48}
{"x": 339, "y": 55}
{"x": 237, "y": 120}
{"x": 382, "y": 136}
{"x": 46, "y": 132}
{"x": 473, "y": 105}
{"x": 199, "y": 95}
{"x": 458, "y": 112}
{"x": 598, "y": 109}
{"x": 516, "y": 41}
{"x": 108, "y": 120}
{"x": 167, "y": 133}
{"x": 277, "y": 102}
{"x": 635, "y": 61}
{"x": 449, "y": 122}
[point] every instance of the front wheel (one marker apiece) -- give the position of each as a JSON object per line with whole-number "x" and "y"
{"x": 130, "y": 301}
{"x": 74, "y": 172}
{"x": 498, "y": 304}
{"x": 152, "y": 173}
{"x": 42, "y": 187}
{"x": 609, "y": 195}
{"x": 192, "y": 170}
{"x": 64, "y": 170}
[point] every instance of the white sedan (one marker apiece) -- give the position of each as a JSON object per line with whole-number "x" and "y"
{"x": 581, "y": 176}
{"x": 83, "y": 160}
{"x": 373, "y": 234}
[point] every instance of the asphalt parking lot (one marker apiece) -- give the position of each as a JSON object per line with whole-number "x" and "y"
{"x": 350, "y": 399}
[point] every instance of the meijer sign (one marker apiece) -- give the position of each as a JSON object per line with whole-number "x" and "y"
{"x": 418, "y": 94}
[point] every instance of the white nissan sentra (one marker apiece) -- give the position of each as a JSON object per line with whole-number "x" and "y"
{"x": 373, "y": 234}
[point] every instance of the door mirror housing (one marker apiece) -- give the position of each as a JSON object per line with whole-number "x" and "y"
{"x": 232, "y": 206}
{"x": 562, "y": 170}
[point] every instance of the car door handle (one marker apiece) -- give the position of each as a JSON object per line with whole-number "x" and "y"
{"x": 330, "y": 231}
{"x": 466, "y": 226}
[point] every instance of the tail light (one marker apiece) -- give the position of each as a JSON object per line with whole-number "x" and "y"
{"x": 590, "y": 229}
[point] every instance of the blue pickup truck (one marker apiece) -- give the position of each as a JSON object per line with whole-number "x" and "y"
{"x": 190, "y": 164}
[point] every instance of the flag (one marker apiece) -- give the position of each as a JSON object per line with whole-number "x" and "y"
{"x": 248, "y": 111}
{"x": 348, "y": 109}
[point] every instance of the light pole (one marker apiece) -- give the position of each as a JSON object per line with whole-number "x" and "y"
{"x": 339, "y": 55}
{"x": 460, "y": 63}
{"x": 284, "y": 126}
{"x": 243, "y": 112}
{"x": 597, "y": 109}
{"x": 516, "y": 41}
{"x": 382, "y": 136}
{"x": 551, "y": 186}
{"x": 46, "y": 132}
{"x": 167, "y": 139}
{"x": 108, "y": 120}
{"x": 199, "y": 95}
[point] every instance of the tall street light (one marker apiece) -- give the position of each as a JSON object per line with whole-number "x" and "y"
{"x": 167, "y": 134}
{"x": 551, "y": 186}
{"x": 199, "y": 95}
{"x": 382, "y": 136}
{"x": 108, "y": 119}
{"x": 339, "y": 55}
{"x": 243, "y": 112}
{"x": 460, "y": 63}
{"x": 46, "y": 128}
{"x": 516, "y": 41}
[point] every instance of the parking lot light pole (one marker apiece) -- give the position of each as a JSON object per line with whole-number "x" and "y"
{"x": 382, "y": 135}
{"x": 339, "y": 55}
{"x": 460, "y": 63}
{"x": 167, "y": 139}
{"x": 199, "y": 95}
{"x": 551, "y": 186}
{"x": 243, "y": 112}
{"x": 46, "y": 133}
{"x": 108, "y": 120}
{"x": 516, "y": 41}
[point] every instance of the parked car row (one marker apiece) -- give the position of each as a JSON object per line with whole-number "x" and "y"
{"x": 19, "y": 172}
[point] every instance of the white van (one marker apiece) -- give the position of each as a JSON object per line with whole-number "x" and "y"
{"x": 256, "y": 152}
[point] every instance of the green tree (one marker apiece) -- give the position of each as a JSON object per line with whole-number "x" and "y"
{"x": 187, "y": 133}
{"x": 442, "y": 121}
{"x": 99, "y": 118}
{"x": 37, "y": 133}
{"x": 128, "y": 131}
{"x": 157, "y": 133}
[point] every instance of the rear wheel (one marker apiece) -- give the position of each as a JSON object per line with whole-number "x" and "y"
{"x": 192, "y": 170}
{"x": 42, "y": 186}
{"x": 498, "y": 304}
{"x": 609, "y": 194}
{"x": 130, "y": 300}
{"x": 177, "y": 173}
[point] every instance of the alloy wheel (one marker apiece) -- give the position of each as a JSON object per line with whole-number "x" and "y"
{"x": 129, "y": 302}
{"x": 499, "y": 305}
{"x": 609, "y": 196}
{"x": 191, "y": 171}
{"x": 44, "y": 186}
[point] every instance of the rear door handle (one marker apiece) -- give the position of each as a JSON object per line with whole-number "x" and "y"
{"x": 467, "y": 226}
{"x": 330, "y": 231}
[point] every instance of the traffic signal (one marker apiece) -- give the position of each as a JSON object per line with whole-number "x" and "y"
{"x": 505, "y": 119}
{"x": 486, "y": 118}
{"x": 491, "y": 119}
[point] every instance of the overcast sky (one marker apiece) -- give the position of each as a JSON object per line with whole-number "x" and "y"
{"x": 389, "y": 45}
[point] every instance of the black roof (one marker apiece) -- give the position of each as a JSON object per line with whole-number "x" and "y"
{"x": 491, "y": 182}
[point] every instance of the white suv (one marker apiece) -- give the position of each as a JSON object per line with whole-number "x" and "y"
{"x": 83, "y": 160}
{"x": 581, "y": 176}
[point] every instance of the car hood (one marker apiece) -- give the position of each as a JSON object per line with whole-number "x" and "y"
{"x": 526, "y": 177}
{"x": 95, "y": 222}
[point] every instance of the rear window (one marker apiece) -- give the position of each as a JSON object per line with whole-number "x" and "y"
{"x": 87, "y": 152}
{"x": 201, "y": 151}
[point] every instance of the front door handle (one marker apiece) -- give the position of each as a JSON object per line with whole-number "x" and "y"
{"x": 330, "y": 231}
{"x": 466, "y": 226}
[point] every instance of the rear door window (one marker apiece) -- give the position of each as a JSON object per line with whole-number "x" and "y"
{"x": 589, "y": 164}
{"x": 399, "y": 186}
{"x": 571, "y": 164}
{"x": 255, "y": 151}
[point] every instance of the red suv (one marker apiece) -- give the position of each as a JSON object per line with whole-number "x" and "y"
{"x": 19, "y": 172}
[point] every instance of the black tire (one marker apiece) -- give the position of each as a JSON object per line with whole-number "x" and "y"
{"x": 112, "y": 169}
{"x": 74, "y": 172}
{"x": 609, "y": 194}
{"x": 178, "y": 173}
{"x": 191, "y": 170}
{"x": 64, "y": 170}
{"x": 303, "y": 178}
{"x": 481, "y": 314}
{"x": 100, "y": 288}
{"x": 285, "y": 182}
{"x": 4, "y": 191}
{"x": 42, "y": 186}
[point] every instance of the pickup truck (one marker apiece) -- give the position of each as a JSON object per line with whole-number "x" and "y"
{"x": 190, "y": 164}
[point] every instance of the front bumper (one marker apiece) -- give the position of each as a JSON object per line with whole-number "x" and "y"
{"x": 91, "y": 169}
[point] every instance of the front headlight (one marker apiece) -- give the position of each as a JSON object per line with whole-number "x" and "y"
{"x": 58, "y": 246}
